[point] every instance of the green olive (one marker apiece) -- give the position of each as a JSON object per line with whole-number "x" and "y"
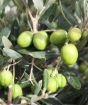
{"x": 74, "y": 34}
{"x": 83, "y": 67}
{"x": 61, "y": 80}
{"x": 16, "y": 91}
{"x": 52, "y": 84}
{"x": 58, "y": 37}
{"x": 69, "y": 54}
{"x": 40, "y": 40}
{"x": 25, "y": 39}
{"x": 6, "y": 78}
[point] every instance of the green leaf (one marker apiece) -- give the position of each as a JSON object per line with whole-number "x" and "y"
{"x": 6, "y": 42}
{"x": 37, "y": 54}
{"x": 77, "y": 9}
{"x": 38, "y": 4}
{"x": 1, "y": 6}
{"x": 47, "y": 5}
{"x": 4, "y": 32}
{"x": 50, "y": 11}
{"x": 38, "y": 87}
{"x": 11, "y": 53}
{"x": 3, "y": 60}
{"x": 1, "y": 2}
{"x": 26, "y": 75}
{"x": 45, "y": 79}
{"x": 74, "y": 82}
{"x": 25, "y": 84}
{"x": 34, "y": 98}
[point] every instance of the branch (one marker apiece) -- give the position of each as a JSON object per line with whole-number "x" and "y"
{"x": 33, "y": 19}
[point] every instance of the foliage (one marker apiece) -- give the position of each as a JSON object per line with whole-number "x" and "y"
{"x": 29, "y": 65}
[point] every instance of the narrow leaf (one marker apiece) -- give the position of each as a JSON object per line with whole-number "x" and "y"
{"x": 38, "y": 87}
{"x": 74, "y": 82}
{"x": 6, "y": 42}
{"x": 47, "y": 5}
{"x": 45, "y": 79}
{"x": 37, "y": 54}
{"x": 5, "y": 32}
{"x": 38, "y": 4}
{"x": 11, "y": 53}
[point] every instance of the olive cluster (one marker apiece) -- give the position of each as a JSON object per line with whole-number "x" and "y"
{"x": 39, "y": 39}
{"x": 60, "y": 37}
{"x": 6, "y": 79}
{"x": 55, "y": 80}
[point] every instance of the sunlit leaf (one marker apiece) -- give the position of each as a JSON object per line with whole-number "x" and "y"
{"x": 6, "y": 42}
{"x": 4, "y": 32}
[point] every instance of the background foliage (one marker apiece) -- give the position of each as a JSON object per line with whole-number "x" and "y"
{"x": 52, "y": 15}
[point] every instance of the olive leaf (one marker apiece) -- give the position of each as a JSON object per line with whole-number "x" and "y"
{"x": 38, "y": 87}
{"x": 47, "y": 5}
{"x": 6, "y": 42}
{"x": 74, "y": 82}
{"x": 45, "y": 79}
{"x": 38, "y": 4}
{"x": 36, "y": 54}
{"x": 11, "y": 53}
{"x": 4, "y": 32}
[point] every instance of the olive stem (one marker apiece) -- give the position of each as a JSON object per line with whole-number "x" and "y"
{"x": 58, "y": 62}
{"x": 10, "y": 95}
{"x": 35, "y": 22}
{"x": 8, "y": 67}
{"x": 37, "y": 67}
{"x": 31, "y": 71}
{"x": 13, "y": 72}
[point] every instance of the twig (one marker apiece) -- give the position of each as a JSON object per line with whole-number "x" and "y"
{"x": 33, "y": 19}
{"x": 13, "y": 71}
{"x": 7, "y": 67}
{"x": 10, "y": 95}
{"x": 30, "y": 14}
{"x": 37, "y": 67}
{"x": 31, "y": 71}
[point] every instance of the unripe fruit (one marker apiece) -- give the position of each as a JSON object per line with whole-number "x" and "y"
{"x": 85, "y": 34}
{"x": 49, "y": 70}
{"x": 25, "y": 39}
{"x": 69, "y": 54}
{"x": 58, "y": 37}
{"x": 54, "y": 25}
{"x": 6, "y": 78}
{"x": 40, "y": 40}
{"x": 16, "y": 91}
{"x": 61, "y": 80}
{"x": 52, "y": 85}
{"x": 83, "y": 67}
{"x": 70, "y": 66}
{"x": 86, "y": 73}
{"x": 74, "y": 34}
{"x": 52, "y": 72}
